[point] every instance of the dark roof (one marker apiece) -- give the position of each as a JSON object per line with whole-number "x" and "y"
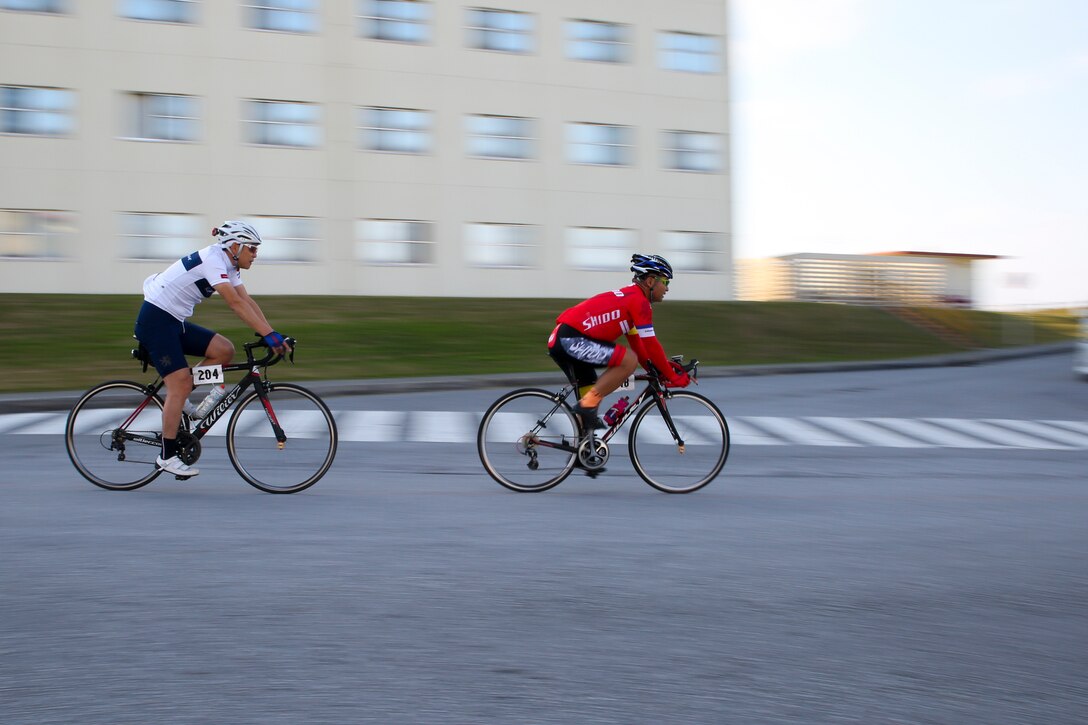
{"x": 953, "y": 255}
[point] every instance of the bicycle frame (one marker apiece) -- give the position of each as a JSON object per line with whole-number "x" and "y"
{"x": 654, "y": 389}
{"x": 251, "y": 379}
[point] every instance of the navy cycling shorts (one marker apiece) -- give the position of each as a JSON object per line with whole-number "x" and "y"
{"x": 169, "y": 340}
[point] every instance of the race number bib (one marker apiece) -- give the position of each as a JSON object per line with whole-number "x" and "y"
{"x": 628, "y": 383}
{"x": 208, "y": 374}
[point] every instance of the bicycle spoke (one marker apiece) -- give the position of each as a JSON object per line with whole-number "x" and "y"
{"x": 517, "y": 441}
{"x": 304, "y": 457}
{"x": 666, "y": 465}
{"x": 103, "y": 456}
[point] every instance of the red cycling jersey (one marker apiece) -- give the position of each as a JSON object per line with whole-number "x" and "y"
{"x": 624, "y": 311}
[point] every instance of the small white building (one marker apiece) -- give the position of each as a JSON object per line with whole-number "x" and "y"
{"x": 936, "y": 279}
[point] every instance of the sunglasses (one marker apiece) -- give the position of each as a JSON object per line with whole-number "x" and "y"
{"x": 665, "y": 281}
{"x": 251, "y": 247}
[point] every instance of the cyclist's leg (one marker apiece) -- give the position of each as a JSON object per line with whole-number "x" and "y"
{"x": 213, "y": 347}
{"x": 178, "y": 386}
{"x": 162, "y": 335}
{"x": 584, "y": 355}
{"x": 582, "y": 375}
{"x": 618, "y": 370}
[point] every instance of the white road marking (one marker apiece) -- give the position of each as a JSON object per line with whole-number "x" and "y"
{"x": 394, "y": 426}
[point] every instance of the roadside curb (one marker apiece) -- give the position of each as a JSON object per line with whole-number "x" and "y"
{"x": 59, "y": 401}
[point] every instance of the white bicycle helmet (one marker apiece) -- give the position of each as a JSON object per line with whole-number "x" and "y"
{"x": 230, "y": 232}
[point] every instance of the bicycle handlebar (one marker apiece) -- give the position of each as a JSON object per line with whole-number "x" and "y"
{"x": 271, "y": 358}
{"x": 692, "y": 369}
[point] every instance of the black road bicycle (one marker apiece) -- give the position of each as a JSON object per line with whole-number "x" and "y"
{"x": 281, "y": 438}
{"x": 530, "y": 439}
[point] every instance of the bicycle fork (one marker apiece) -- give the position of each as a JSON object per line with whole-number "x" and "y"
{"x": 262, "y": 393}
{"x": 663, "y": 406}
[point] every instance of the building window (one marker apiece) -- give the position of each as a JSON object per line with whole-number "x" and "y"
{"x": 600, "y": 144}
{"x": 286, "y": 238}
{"x": 501, "y": 137}
{"x": 162, "y": 11}
{"x": 35, "y": 234}
{"x": 600, "y": 247}
{"x": 397, "y": 130}
{"x": 404, "y": 21}
{"x": 36, "y": 111}
{"x": 598, "y": 41}
{"x": 689, "y": 52}
{"x": 285, "y": 16}
{"x": 162, "y": 117}
{"x": 692, "y": 151}
{"x": 35, "y": 6}
{"x": 502, "y": 30}
{"x": 394, "y": 241}
{"x": 501, "y": 245}
{"x": 161, "y": 236}
{"x": 693, "y": 251}
{"x": 282, "y": 123}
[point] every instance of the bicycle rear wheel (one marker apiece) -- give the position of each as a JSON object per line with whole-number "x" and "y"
{"x": 517, "y": 436}
{"x": 305, "y": 456}
{"x": 660, "y": 459}
{"x": 112, "y": 435}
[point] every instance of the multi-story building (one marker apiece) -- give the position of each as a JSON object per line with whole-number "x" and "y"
{"x": 382, "y": 147}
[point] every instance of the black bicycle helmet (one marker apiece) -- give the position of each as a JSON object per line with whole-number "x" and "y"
{"x": 643, "y": 264}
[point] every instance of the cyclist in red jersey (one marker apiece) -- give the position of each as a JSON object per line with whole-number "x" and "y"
{"x": 585, "y": 337}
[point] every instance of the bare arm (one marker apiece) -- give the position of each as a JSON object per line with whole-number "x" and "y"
{"x": 245, "y": 307}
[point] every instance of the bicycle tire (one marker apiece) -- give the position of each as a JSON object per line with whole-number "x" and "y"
{"x": 304, "y": 458}
{"x": 665, "y": 465}
{"x": 504, "y": 449}
{"x": 93, "y": 419}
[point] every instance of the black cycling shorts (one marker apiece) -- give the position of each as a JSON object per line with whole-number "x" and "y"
{"x": 579, "y": 356}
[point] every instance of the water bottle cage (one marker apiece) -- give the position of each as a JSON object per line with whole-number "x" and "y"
{"x": 615, "y": 413}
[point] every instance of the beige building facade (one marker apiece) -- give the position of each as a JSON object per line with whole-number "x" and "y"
{"x": 382, "y": 147}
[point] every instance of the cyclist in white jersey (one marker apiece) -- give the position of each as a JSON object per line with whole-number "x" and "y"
{"x": 169, "y": 299}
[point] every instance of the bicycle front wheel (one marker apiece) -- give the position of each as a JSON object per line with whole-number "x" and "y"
{"x": 298, "y": 462}
{"x": 527, "y": 440}
{"x": 112, "y": 435}
{"x": 679, "y": 465}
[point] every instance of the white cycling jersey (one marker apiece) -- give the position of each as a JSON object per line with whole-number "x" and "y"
{"x": 186, "y": 282}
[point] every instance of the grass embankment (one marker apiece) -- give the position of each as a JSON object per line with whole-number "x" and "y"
{"x": 70, "y": 342}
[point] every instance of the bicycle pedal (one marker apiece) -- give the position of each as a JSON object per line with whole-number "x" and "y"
{"x": 596, "y": 472}
{"x": 183, "y": 478}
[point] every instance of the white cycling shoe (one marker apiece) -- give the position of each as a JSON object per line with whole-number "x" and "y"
{"x": 175, "y": 466}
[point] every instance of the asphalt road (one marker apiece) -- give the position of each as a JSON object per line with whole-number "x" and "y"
{"x": 836, "y": 578}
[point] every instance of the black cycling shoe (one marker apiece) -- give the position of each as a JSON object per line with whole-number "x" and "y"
{"x": 588, "y": 417}
{"x": 592, "y": 473}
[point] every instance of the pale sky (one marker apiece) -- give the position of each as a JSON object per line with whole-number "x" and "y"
{"x": 933, "y": 125}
